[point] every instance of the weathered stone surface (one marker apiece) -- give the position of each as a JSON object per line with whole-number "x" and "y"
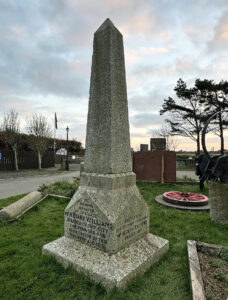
{"x": 107, "y": 138}
{"x": 211, "y": 249}
{"x": 20, "y": 206}
{"x": 107, "y": 212}
{"x": 157, "y": 144}
{"x": 197, "y": 286}
{"x": 218, "y": 198}
{"x": 111, "y": 270}
{"x": 143, "y": 147}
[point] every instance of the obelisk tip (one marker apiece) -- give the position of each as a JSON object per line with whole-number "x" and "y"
{"x": 107, "y": 24}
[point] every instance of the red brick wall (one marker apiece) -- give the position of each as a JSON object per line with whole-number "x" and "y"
{"x": 148, "y": 165}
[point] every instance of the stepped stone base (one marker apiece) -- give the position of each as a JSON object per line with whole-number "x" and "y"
{"x": 111, "y": 270}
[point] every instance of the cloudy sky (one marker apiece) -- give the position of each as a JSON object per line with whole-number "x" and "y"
{"x": 46, "y": 50}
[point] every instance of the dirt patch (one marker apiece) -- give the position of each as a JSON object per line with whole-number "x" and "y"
{"x": 214, "y": 268}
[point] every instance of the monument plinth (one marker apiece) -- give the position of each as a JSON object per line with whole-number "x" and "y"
{"x": 106, "y": 225}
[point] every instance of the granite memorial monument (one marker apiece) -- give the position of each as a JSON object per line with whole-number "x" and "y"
{"x": 106, "y": 225}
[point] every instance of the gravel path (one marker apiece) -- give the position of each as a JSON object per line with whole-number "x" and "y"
{"x": 11, "y": 185}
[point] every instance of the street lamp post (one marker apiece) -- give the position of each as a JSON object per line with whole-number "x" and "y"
{"x": 67, "y": 161}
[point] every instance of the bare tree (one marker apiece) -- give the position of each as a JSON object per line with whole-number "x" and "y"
{"x": 39, "y": 134}
{"x": 171, "y": 141}
{"x": 11, "y": 131}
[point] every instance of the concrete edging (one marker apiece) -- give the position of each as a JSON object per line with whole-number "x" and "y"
{"x": 196, "y": 279}
{"x": 21, "y": 206}
{"x": 197, "y": 285}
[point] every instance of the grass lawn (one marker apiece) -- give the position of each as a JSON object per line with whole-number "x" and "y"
{"x": 25, "y": 274}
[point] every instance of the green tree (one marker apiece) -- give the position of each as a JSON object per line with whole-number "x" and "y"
{"x": 214, "y": 98}
{"x": 186, "y": 114}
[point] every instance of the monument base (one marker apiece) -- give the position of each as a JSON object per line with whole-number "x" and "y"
{"x": 111, "y": 270}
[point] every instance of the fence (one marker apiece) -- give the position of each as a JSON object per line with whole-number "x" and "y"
{"x": 26, "y": 160}
{"x": 155, "y": 166}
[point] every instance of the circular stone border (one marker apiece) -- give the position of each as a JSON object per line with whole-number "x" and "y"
{"x": 159, "y": 199}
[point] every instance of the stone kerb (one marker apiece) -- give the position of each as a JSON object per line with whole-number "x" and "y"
{"x": 20, "y": 206}
{"x": 196, "y": 280}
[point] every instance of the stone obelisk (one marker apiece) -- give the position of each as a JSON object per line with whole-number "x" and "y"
{"x": 106, "y": 225}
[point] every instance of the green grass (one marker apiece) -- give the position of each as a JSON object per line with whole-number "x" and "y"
{"x": 26, "y": 274}
{"x": 217, "y": 262}
{"x": 221, "y": 277}
{"x": 59, "y": 188}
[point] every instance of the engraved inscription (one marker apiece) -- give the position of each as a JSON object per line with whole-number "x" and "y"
{"x": 132, "y": 226}
{"x": 85, "y": 227}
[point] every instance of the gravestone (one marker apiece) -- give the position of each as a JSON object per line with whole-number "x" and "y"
{"x": 143, "y": 147}
{"x": 106, "y": 225}
{"x": 218, "y": 201}
{"x": 157, "y": 144}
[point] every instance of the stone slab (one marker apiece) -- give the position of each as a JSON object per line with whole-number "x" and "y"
{"x": 197, "y": 286}
{"x": 20, "y": 206}
{"x": 218, "y": 197}
{"x": 212, "y": 249}
{"x": 111, "y": 270}
{"x": 159, "y": 199}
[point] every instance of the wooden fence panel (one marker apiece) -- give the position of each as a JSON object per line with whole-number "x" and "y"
{"x": 26, "y": 160}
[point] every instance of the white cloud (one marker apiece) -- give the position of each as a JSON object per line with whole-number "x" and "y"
{"x": 219, "y": 41}
{"x": 46, "y": 49}
{"x": 154, "y": 51}
{"x": 132, "y": 57}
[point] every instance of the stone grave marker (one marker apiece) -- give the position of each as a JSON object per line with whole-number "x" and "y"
{"x": 143, "y": 147}
{"x": 157, "y": 144}
{"x": 106, "y": 225}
